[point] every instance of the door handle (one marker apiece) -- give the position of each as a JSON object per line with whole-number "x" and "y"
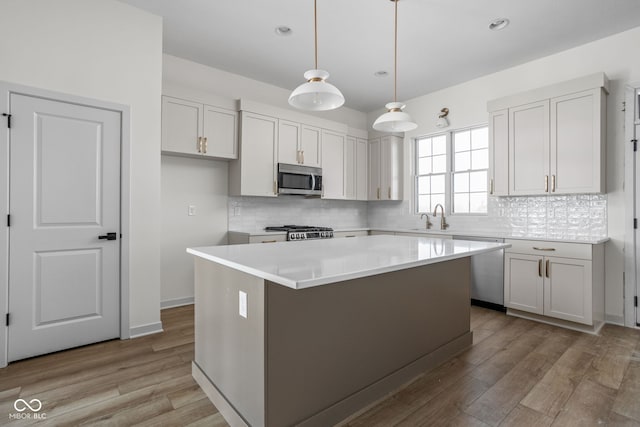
{"x": 546, "y": 273}
{"x": 108, "y": 236}
{"x": 205, "y": 144}
{"x": 540, "y": 267}
{"x": 553, "y": 183}
{"x": 199, "y": 144}
{"x": 491, "y": 186}
{"x": 546, "y": 183}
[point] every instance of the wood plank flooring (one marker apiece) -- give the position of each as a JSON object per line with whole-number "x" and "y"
{"x": 517, "y": 373}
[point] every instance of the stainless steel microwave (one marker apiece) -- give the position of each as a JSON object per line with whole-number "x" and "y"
{"x": 299, "y": 179}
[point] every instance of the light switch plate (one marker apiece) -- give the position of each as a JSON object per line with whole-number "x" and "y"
{"x": 242, "y": 304}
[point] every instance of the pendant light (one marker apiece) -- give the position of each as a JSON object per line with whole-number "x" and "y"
{"x": 395, "y": 120}
{"x": 316, "y": 94}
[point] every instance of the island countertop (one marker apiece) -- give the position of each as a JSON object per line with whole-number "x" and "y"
{"x": 305, "y": 264}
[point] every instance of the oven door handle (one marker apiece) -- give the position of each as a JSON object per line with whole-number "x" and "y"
{"x": 313, "y": 182}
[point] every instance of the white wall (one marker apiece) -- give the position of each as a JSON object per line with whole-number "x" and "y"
{"x": 106, "y": 50}
{"x": 618, "y": 56}
{"x": 203, "y": 184}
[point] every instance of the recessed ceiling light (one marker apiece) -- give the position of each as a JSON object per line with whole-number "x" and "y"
{"x": 499, "y": 24}
{"x": 283, "y": 30}
{"x": 381, "y": 73}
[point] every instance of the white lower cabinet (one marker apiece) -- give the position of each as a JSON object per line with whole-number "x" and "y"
{"x": 568, "y": 285}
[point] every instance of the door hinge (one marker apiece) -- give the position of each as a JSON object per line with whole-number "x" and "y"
{"x": 8, "y": 116}
{"x": 8, "y": 316}
{"x": 8, "y": 220}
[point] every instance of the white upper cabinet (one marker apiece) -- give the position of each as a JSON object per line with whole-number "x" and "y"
{"x": 556, "y": 139}
{"x": 333, "y": 161}
{"x": 299, "y": 144}
{"x": 361, "y": 169}
{"x": 385, "y": 168}
{"x": 499, "y": 153}
{"x": 195, "y": 129}
{"x": 577, "y": 152}
{"x": 350, "y": 167}
{"x": 529, "y": 149}
{"x": 254, "y": 173}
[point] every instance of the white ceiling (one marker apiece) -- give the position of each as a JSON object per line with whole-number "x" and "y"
{"x": 441, "y": 42}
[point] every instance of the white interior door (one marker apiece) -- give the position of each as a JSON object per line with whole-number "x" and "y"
{"x": 637, "y": 209}
{"x": 64, "y": 194}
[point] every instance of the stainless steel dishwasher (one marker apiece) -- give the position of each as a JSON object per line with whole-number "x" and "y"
{"x": 487, "y": 275}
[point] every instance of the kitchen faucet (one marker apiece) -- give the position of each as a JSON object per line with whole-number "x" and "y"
{"x": 428, "y": 223}
{"x": 443, "y": 223}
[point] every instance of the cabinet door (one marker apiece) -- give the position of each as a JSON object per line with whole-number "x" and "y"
{"x": 391, "y": 168}
{"x": 523, "y": 282}
{"x": 311, "y": 146}
{"x": 374, "y": 169}
{"x": 529, "y": 149}
{"x": 576, "y": 143}
{"x": 220, "y": 130}
{"x": 288, "y": 142}
{"x": 333, "y": 161}
{"x": 181, "y": 125}
{"x": 350, "y": 167}
{"x": 362, "y": 178}
{"x": 499, "y": 153}
{"x": 567, "y": 289}
{"x": 257, "y": 155}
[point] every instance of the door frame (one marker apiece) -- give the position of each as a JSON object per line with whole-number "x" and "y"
{"x": 6, "y": 89}
{"x": 631, "y": 110}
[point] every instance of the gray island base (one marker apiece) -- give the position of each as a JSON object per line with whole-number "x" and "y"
{"x": 315, "y": 356}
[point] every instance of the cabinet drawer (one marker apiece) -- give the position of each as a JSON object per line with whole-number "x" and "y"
{"x": 268, "y": 238}
{"x": 546, "y": 248}
{"x": 350, "y": 233}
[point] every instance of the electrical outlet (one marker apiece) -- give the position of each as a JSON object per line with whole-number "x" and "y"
{"x": 191, "y": 210}
{"x": 242, "y": 304}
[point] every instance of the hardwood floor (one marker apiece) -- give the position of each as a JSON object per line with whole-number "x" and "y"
{"x": 518, "y": 373}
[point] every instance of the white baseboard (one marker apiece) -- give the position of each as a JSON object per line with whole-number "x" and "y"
{"x": 140, "y": 331}
{"x": 177, "y": 302}
{"x": 614, "y": 320}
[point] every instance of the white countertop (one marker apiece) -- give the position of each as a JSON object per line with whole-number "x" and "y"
{"x": 489, "y": 234}
{"x": 305, "y": 264}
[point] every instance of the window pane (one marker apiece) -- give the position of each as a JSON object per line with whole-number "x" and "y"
{"x": 424, "y": 204}
{"x": 440, "y": 145}
{"x": 478, "y": 181}
{"x": 480, "y": 159}
{"x": 424, "y": 165}
{"x": 437, "y": 184}
{"x": 480, "y": 138}
{"x": 461, "y": 141}
{"x": 462, "y": 161}
{"x": 478, "y": 202}
{"x": 439, "y": 164}
{"x": 461, "y": 203}
{"x": 424, "y": 147}
{"x": 424, "y": 185}
{"x": 461, "y": 182}
{"x": 435, "y": 199}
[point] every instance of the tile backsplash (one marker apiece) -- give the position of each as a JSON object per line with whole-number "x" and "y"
{"x": 255, "y": 213}
{"x": 575, "y": 216}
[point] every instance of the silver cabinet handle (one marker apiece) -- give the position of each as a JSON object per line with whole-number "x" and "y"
{"x": 205, "y": 145}
{"x": 389, "y": 193}
{"x": 547, "y": 269}
{"x": 491, "y": 186}
{"x": 302, "y": 156}
{"x": 546, "y": 183}
{"x": 268, "y": 241}
{"x": 199, "y": 144}
{"x": 378, "y": 193}
{"x": 553, "y": 183}
{"x": 544, "y": 249}
{"x": 540, "y": 267}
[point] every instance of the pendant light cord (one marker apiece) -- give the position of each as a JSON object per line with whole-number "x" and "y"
{"x": 395, "y": 55}
{"x": 315, "y": 28}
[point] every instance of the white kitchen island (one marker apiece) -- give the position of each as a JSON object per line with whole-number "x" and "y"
{"x": 307, "y": 333}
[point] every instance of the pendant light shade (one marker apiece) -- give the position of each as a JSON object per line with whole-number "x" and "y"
{"x": 316, "y": 94}
{"x": 395, "y": 120}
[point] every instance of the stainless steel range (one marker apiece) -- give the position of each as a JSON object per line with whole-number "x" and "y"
{"x": 304, "y": 232}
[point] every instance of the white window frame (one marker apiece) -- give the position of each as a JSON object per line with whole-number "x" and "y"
{"x": 449, "y": 173}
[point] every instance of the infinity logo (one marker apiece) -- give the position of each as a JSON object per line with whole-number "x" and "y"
{"x": 21, "y": 405}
